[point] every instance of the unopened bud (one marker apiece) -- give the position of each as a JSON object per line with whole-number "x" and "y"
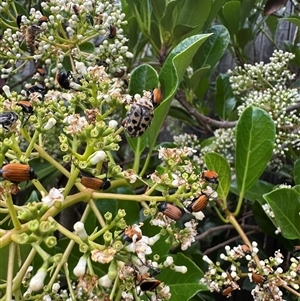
{"x": 50, "y": 124}
{"x": 79, "y": 270}
{"x": 80, "y": 230}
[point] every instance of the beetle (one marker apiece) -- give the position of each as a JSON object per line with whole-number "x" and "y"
{"x": 227, "y": 291}
{"x": 112, "y": 31}
{"x": 210, "y": 176}
{"x": 198, "y": 204}
{"x": 26, "y": 106}
{"x": 296, "y": 249}
{"x": 19, "y": 20}
{"x": 17, "y": 172}
{"x": 156, "y": 96}
{"x": 63, "y": 79}
{"x": 92, "y": 182}
{"x": 42, "y": 19}
{"x": 37, "y": 88}
{"x": 129, "y": 232}
{"x": 246, "y": 249}
{"x": 138, "y": 118}
{"x": 8, "y": 119}
{"x": 259, "y": 279}
{"x": 41, "y": 71}
{"x": 170, "y": 210}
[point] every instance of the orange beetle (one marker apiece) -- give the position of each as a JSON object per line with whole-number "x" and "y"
{"x": 156, "y": 96}
{"x": 210, "y": 176}
{"x": 17, "y": 172}
{"x": 95, "y": 183}
{"x": 129, "y": 232}
{"x": 170, "y": 210}
{"x": 198, "y": 204}
{"x": 112, "y": 31}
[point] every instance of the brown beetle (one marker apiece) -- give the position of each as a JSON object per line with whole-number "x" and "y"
{"x": 156, "y": 96}
{"x": 259, "y": 279}
{"x": 147, "y": 283}
{"x": 210, "y": 176}
{"x": 112, "y": 31}
{"x": 17, "y": 172}
{"x": 170, "y": 210}
{"x": 42, "y": 19}
{"x": 198, "y": 204}
{"x": 246, "y": 249}
{"x": 89, "y": 181}
{"x": 129, "y": 232}
{"x": 227, "y": 291}
{"x": 26, "y": 106}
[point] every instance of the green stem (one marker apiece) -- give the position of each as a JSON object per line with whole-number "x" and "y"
{"x": 10, "y": 270}
{"x": 146, "y": 164}
{"x": 31, "y": 144}
{"x": 136, "y": 163}
{"x": 224, "y": 220}
{"x": 97, "y": 213}
{"x": 45, "y": 256}
{"x": 21, "y": 273}
{"x": 116, "y": 285}
{"x": 70, "y": 286}
{"x": 12, "y": 212}
{"x": 238, "y": 228}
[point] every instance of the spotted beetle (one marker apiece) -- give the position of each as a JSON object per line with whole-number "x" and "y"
{"x": 138, "y": 118}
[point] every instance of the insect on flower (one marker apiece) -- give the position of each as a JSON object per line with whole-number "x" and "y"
{"x": 19, "y": 20}
{"x": 170, "y": 210}
{"x": 42, "y": 20}
{"x": 129, "y": 232}
{"x": 138, "y": 118}
{"x": 30, "y": 35}
{"x": 112, "y": 31}
{"x": 63, "y": 79}
{"x": 198, "y": 204}
{"x": 17, "y": 172}
{"x": 92, "y": 182}
{"x": 8, "y": 119}
{"x": 37, "y": 89}
{"x": 210, "y": 176}
{"x": 227, "y": 291}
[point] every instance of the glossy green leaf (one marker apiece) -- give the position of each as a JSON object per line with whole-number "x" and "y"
{"x": 255, "y": 137}
{"x": 297, "y": 172}
{"x": 181, "y": 287}
{"x": 246, "y": 7}
{"x": 170, "y": 76}
{"x": 285, "y": 203}
{"x": 219, "y": 164}
{"x": 87, "y": 47}
{"x": 182, "y": 115}
{"x": 197, "y": 77}
{"x": 213, "y": 49}
{"x": 225, "y": 101}
{"x": 231, "y": 14}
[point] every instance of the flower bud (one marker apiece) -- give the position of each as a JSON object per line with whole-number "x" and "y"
{"x": 97, "y": 157}
{"x": 169, "y": 260}
{"x": 80, "y": 230}
{"x": 50, "y": 241}
{"x": 105, "y": 281}
{"x": 113, "y": 124}
{"x": 180, "y": 269}
{"x": 50, "y": 124}
{"x": 80, "y": 268}
{"x": 37, "y": 281}
{"x": 6, "y": 90}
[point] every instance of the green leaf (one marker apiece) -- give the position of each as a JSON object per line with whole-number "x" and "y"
{"x": 231, "y": 14}
{"x": 170, "y": 76}
{"x": 197, "y": 78}
{"x": 87, "y": 47}
{"x": 144, "y": 77}
{"x": 244, "y": 36}
{"x": 213, "y": 49}
{"x": 293, "y": 19}
{"x": 181, "y": 114}
{"x": 182, "y": 287}
{"x": 220, "y": 165}
{"x": 215, "y": 8}
{"x": 297, "y": 172}
{"x": 246, "y": 8}
{"x": 255, "y": 137}
{"x": 168, "y": 19}
{"x": 225, "y": 100}
{"x": 285, "y": 204}
{"x": 158, "y": 8}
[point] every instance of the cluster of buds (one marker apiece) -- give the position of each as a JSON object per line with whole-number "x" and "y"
{"x": 267, "y": 275}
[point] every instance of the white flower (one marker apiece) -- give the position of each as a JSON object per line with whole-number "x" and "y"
{"x": 37, "y": 281}
{"x": 180, "y": 269}
{"x": 169, "y": 260}
{"x": 80, "y": 230}
{"x": 53, "y": 196}
{"x": 80, "y": 67}
{"x": 199, "y": 215}
{"x": 55, "y": 287}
